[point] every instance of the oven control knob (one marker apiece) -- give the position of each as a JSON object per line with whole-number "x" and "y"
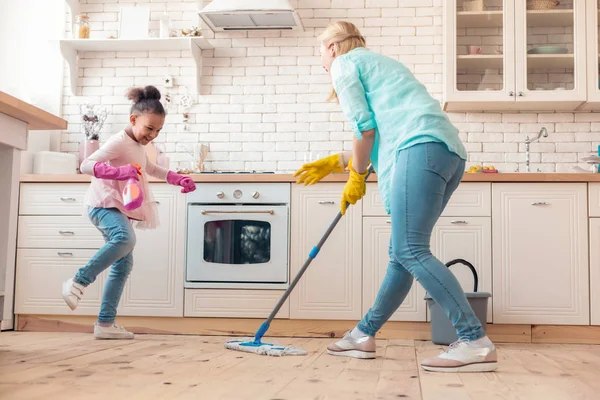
{"x": 237, "y": 194}
{"x": 255, "y": 195}
{"x": 220, "y": 195}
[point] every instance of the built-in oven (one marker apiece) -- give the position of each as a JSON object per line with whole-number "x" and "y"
{"x": 238, "y": 236}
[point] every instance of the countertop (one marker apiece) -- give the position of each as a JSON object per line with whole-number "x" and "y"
{"x": 286, "y": 178}
{"x": 36, "y": 118}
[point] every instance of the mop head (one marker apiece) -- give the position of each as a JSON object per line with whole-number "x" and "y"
{"x": 266, "y": 349}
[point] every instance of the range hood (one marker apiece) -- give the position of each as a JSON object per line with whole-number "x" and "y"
{"x": 244, "y": 15}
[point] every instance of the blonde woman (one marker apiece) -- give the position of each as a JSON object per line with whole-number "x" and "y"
{"x": 419, "y": 160}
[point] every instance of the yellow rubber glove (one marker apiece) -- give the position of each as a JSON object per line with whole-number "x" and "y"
{"x": 313, "y": 172}
{"x": 354, "y": 190}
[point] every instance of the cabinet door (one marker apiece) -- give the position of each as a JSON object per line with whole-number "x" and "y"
{"x": 155, "y": 286}
{"x": 469, "y": 238}
{"x": 540, "y": 253}
{"x": 39, "y": 277}
{"x": 593, "y": 37}
{"x": 551, "y": 53}
{"x": 377, "y": 232}
{"x": 479, "y": 54}
{"x": 331, "y": 286}
{"x": 595, "y": 270}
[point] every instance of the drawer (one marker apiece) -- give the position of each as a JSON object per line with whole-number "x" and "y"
{"x": 233, "y": 303}
{"x": 472, "y": 199}
{"x": 52, "y": 198}
{"x": 39, "y": 277}
{"x": 594, "y": 199}
{"x": 51, "y": 232}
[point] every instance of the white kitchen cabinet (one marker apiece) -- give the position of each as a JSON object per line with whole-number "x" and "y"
{"x": 55, "y": 240}
{"x": 595, "y": 271}
{"x": 473, "y": 199}
{"x": 593, "y": 51}
{"x": 468, "y": 238}
{"x": 540, "y": 253}
{"x": 234, "y": 303}
{"x": 377, "y": 232}
{"x": 39, "y": 277}
{"x": 331, "y": 287}
{"x": 500, "y": 72}
{"x": 155, "y": 286}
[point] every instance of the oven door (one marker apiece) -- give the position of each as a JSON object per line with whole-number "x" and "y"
{"x": 241, "y": 244}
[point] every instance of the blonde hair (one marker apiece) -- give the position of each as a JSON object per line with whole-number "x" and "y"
{"x": 345, "y": 37}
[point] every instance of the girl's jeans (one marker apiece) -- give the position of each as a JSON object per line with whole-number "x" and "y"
{"x": 425, "y": 177}
{"x": 120, "y": 241}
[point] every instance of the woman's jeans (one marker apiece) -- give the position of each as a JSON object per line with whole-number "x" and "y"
{"x": 120, "y": 241}
{"x": 425, "y": 177}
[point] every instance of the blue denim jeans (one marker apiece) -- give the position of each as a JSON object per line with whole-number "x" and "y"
{"x": 120, "y": 241}
{"x": 425, "y": 177}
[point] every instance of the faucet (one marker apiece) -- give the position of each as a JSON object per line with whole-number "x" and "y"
{"x": 543, "y": 133}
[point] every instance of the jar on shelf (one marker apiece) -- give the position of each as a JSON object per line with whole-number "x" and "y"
{"x": 82, "y": 27}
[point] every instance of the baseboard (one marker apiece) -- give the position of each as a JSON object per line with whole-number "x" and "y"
{"x": 247, "y": 327}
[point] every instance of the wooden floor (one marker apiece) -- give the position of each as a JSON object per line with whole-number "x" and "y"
{"x": 75, "y": 366}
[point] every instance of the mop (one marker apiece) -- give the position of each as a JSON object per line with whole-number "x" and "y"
{"x": 256, "y": 345}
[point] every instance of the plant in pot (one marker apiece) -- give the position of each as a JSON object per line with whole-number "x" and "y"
{"x": 92, "y": 120}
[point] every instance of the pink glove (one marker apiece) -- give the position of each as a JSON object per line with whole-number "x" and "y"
{"x": 123, "y": 173}
{"x": 185, "y": 182}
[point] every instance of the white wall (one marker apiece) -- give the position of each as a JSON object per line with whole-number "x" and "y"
{"x": 31, "y": 67}
{"x": 261, "y": 105}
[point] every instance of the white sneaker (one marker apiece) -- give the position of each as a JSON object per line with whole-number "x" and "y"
{"x": 463, "y": 356}
{"x": 364, "y": 347}
{"x": 111, "y": 332}
{"x": 72, "y": 292}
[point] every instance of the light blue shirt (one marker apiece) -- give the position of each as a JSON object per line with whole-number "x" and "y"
{"x": 378, "y": 92}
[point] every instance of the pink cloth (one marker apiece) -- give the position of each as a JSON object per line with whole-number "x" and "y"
{"x": 118, "y": 151}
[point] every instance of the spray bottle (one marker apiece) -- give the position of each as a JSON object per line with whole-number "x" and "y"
{"x": 133, "y": 195}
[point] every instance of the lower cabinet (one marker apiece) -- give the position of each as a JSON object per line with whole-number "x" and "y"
{"x": 469, "y": 238}
{"x": 155, "y": 286}
{"x": 595, "y": 270}
{"x": 331, "y": 287}
{"x": 234, "y": 303}
{"x": 540, "y": 248}
{"x": 377, "y": 232}
{"x": 39, "y": 277}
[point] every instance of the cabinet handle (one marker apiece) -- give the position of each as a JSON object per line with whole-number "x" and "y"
{"x": 511, "y": 94}
{"x": 540, "y": 203}
{"x": 71, "y": 199}
{"x": 67, "y": 233}
{"x": 389, "y": 221}
{"x": 520, "y": 94}
{"x": 459, "y": 222}
{"x": 326, "y": 202}
{"x": 65, "y": 254}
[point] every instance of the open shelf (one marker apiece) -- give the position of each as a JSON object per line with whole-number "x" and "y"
{"x": 550, "y": 18}
{"x": 479, "y": 19}
{"x": 549, "y": 61}
{"x": 480, "y": 61}
{"x": 71, "y": 47}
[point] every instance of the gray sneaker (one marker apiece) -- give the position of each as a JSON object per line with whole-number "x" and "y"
{"x": 356, "y": 348}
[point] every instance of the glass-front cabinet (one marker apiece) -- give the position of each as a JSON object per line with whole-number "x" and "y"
{"x": 515, "y": 54}
{"x": 593, "y": 51}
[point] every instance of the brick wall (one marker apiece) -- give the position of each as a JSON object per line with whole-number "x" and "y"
{"x": 261, "y": 103}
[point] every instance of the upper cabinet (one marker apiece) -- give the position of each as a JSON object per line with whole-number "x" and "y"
{"x": 593, "y": 51}
{"x": 515, "y": 55}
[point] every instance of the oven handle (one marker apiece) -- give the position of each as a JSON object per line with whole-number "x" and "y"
{"x": 204, "y": 212}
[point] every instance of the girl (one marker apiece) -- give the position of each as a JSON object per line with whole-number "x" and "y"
{"x": 110, "y": 167}
{"x": 419, "y": 161}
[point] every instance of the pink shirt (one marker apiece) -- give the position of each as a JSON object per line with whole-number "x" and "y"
{"x": 118, "y": 151}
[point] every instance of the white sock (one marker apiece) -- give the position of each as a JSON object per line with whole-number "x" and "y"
{"x": 482, "y": 342}
{"x": 357, "y": 334}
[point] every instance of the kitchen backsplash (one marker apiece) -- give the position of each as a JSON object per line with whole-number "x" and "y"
{"x": 261, "y": 104}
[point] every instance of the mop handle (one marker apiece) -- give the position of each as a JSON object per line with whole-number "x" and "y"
{"x": 312, "y": 255}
